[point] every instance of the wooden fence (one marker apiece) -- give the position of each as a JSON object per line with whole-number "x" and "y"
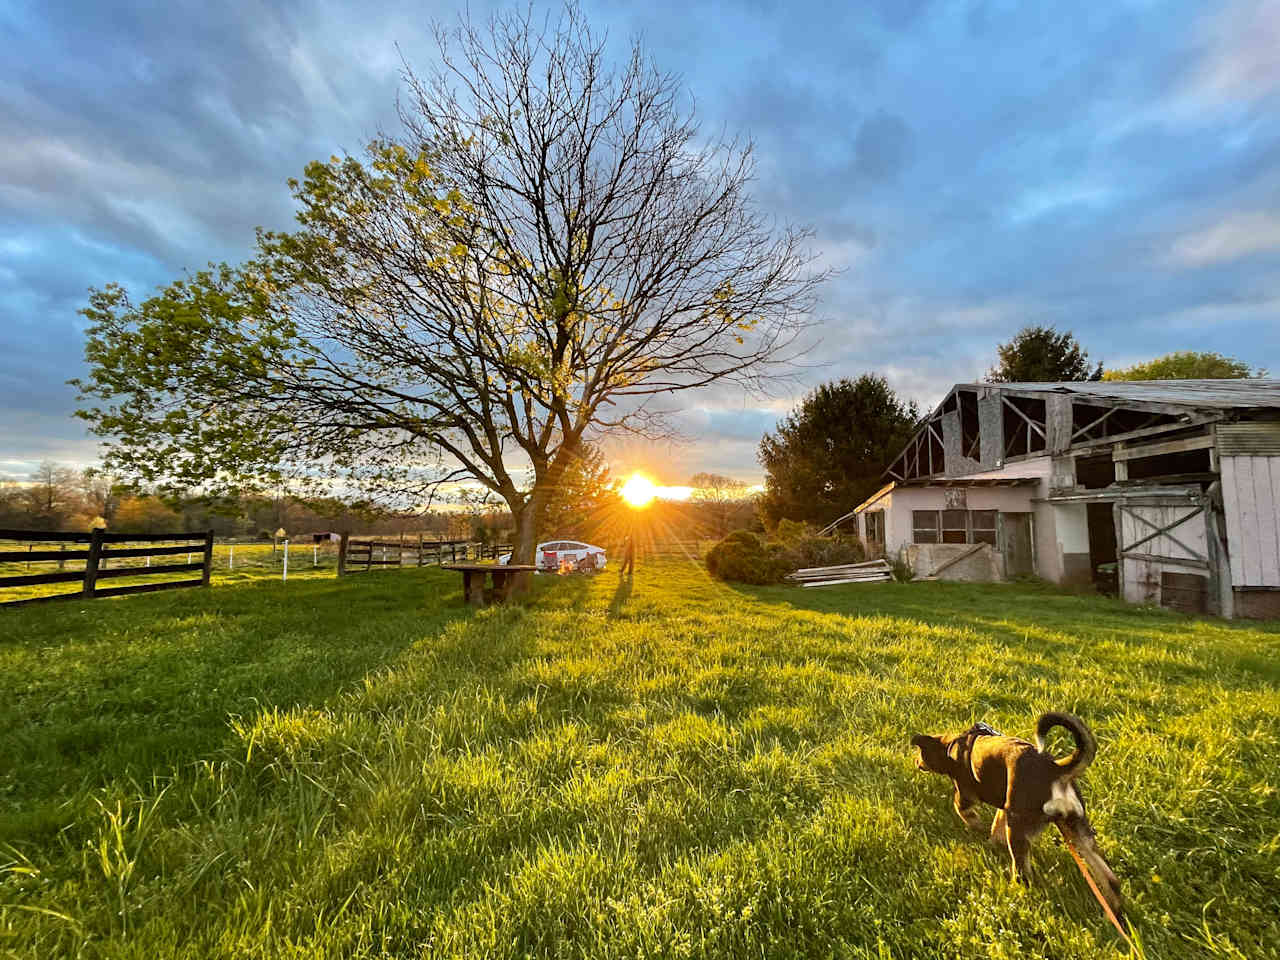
{"x": 361, "y": 556}
{"x": 99, "y": 550}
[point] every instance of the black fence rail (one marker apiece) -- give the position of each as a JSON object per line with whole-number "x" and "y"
{"x": 361, "y": 556}
{"x": 98, "y": 552}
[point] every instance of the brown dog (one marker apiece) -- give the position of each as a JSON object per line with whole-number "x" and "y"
{"x": 1029, "y": 787}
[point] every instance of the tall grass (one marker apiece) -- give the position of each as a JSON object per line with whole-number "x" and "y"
{"x": 670, "y": 768}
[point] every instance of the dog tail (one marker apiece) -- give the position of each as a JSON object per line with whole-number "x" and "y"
{"x": 1086, "y": 745}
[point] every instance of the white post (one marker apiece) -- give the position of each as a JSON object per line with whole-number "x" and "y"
{"x": 315, "y": 555}
{"x": 231, "y": 557}
{"x": 148, "y": 561}
{"x": 188, "y": 558}
{"x": 285, "y": 574}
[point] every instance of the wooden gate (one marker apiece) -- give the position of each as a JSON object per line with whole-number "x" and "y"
{"x": 1165, "y": 553}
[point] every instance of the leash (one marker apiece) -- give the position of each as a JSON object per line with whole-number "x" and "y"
{"x": 1106, "y": 907}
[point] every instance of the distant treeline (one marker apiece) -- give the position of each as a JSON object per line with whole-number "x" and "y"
{"x": 60, "y": 498}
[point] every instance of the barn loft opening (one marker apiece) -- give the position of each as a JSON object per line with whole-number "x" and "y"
{"x": 1024, "y": 426}
{"x": 1093, "y": 473}
{"x": 1189, "y": 465}
{"x": 1090, "y": 422}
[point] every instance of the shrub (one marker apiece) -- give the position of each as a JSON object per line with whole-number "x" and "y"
{"x": 745, "y": 557}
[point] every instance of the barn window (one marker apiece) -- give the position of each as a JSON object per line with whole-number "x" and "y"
{"x": 924, "y": 526}
{"x": 984, "y": 526}
{"x": 955, "y": 526}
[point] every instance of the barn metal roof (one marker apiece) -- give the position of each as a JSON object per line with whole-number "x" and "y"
{"x": 1216, "y": 394}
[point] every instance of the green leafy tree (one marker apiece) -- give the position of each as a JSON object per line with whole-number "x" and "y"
{"x": 829, "y": 454}
{"x": 548, "y": 245}
{"x": 583, "y": 501}
{"x": 1187, "y": 365}
{"x": 1043, "y": 355}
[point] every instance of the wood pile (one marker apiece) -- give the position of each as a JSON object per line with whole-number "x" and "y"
{"x": 870, "y": 571}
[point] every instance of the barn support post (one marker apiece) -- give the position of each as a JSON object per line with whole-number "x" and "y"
{"x": 1118, "y": 518}
{"x": 342, "y": 554}
{"x": 1219, "y": 564}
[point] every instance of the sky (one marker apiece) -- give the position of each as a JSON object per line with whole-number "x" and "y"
{"x": 967, "y": 167}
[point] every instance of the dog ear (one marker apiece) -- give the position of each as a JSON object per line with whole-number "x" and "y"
{"x": 933, "y": 755}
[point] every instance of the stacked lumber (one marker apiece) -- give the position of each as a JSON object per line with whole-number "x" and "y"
{"x": 870, "y": 571}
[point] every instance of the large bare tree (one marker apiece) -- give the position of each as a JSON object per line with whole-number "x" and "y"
{"x": 548, "y": 248}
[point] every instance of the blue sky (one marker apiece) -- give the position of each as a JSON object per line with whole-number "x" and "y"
{"x": 970, "y": 167}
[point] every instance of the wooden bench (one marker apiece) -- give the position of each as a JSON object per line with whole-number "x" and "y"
{"x": 474, "y": 575}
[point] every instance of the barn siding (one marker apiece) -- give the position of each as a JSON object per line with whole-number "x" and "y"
{"x": 1251, "y": 497}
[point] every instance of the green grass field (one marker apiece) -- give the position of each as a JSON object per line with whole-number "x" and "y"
{"x": 367, "y": 767}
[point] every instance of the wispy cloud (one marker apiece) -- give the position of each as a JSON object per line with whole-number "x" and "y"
{"x": 1239, "y": 235}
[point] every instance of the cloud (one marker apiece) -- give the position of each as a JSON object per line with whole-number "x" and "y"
{"x": 1240, "y": 235}
{"x": 883, "y": 146}
{"x": 1240, "y": 62}
{"x": 968, "y": 168}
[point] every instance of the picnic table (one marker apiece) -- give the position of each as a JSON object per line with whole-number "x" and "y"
{"x": 473, "y": 580}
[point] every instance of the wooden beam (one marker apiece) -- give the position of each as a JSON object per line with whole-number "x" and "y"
{"x": 957, "y": 558}
{"x": 1125, "y": 452}
{"x": 1101, "y": 444}
{"x": 1088, "y": 427}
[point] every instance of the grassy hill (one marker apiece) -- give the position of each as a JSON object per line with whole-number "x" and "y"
{"x": 678, "y": 768}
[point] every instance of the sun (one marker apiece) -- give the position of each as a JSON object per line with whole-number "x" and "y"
{"x": 638, "y": 491}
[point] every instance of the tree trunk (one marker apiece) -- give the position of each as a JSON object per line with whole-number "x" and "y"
{"x": 526, "y": 542}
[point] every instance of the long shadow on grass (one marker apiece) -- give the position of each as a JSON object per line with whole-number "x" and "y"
{"x": 117, "y": 690}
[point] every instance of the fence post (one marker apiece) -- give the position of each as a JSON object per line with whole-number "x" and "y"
{"x": 419, "y": 549}
{"x": 62, "y": 561}
{"x": 315, "y": 555}
{"x": 342, "y": 555}
{"x": 284, "y": 573}
{"x": 91, "y": 565}
{"x": 231, "y": 557}
{"x": 208, "y": 558}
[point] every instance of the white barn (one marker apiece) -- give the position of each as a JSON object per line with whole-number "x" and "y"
{"x": 1164, "y": 491}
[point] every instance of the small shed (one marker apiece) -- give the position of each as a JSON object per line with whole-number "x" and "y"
{"x": 1165, "y": 491}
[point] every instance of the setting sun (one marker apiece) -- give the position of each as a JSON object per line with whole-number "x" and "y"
{"x": 638, "y": 491}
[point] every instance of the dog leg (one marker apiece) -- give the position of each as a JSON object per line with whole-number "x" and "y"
{"x": 967, "y": 809}
{"x": 1079, "y": 833}
{"x": 998, "y": 826}
{"x": 1019, "y": 832}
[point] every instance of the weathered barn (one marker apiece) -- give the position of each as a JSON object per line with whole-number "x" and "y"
{"x": 1165, "y": 491}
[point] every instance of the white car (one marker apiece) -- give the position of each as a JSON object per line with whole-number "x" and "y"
{"x": 565, "y": 554}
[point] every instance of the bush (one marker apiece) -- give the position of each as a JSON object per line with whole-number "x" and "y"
{"x": 745, "y": 557}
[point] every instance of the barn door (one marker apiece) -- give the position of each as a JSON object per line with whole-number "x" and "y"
{"x": 1015, "y": 539}
{"x": 1164, "y": 554}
